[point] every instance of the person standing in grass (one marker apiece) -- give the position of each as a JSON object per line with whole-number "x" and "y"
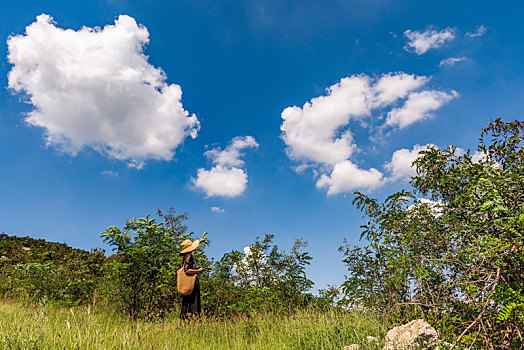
{"x": 191, "y": 306}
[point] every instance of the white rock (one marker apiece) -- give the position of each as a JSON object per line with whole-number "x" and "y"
{"x": 352, "y": 347}
{"x": 371, "y": 339}
{"x": 411, "y": 335}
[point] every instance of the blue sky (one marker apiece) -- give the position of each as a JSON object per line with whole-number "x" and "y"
{"x": 93, "y": 133}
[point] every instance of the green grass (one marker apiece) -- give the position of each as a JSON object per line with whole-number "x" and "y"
{"x": 27, "y": 326}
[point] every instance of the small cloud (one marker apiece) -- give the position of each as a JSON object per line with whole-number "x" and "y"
{"x": 226, "y": 178}
{"x": 422, "y": 42}
{"x": 481, "y": 30}
{"x": 451, "y": 61}
{"x": 299, "y": 169}
{"x": 401, "y": 162}
{"x": 478, "y": 157}
{"x": 418, "y": 107}
{"x": 347, "y": 176}
{"x": 436, "y": 207}
{"x": 134, "y": 164}
{"x": 110, "y": 173}
{"x": 217, "y": 210}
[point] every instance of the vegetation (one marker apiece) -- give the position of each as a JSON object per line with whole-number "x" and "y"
{"x": 92, "y": 327}
{"x": 139, "y": 279}
{"x": 450, "y": 251}
{"x": 143, "y": 269}
{"x": 264, "y": 279}
{"x": 457, "y": 260}
{"x": 49, "y": 271}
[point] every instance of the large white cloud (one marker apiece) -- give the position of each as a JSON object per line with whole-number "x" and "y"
{"x": 315, "y": 131}
{"x": 318, "y": 137}
{"x": 401, "y": 162}
{"x": 418, "y": 107}
{"x": 312, "y": 132}
{"x": 422, "y": 42}
{"x": 94, "y": 87}
{"x": 225, "y": 178}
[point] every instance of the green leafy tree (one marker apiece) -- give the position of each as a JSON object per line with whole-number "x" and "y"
{"x": 143, "y": 268}
{"x": 263, "y": 278}
{"x": 458, "y": 259}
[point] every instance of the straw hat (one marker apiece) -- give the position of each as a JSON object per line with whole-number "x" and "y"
{"x": 188, "y": 246}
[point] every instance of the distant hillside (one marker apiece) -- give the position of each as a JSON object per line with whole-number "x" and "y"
{"x": 37, "y": 268}
{"x": 27, "y": 249}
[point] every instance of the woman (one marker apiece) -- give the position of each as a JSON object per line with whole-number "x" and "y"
{"x": 190, "y": 303}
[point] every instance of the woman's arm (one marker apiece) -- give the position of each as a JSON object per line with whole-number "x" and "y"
{"x": 193, "y": 271}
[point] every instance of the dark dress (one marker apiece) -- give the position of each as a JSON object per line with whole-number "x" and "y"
{"x": 191, "y": 303}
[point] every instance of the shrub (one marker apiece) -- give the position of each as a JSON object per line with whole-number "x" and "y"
{"x": 459, "y": 259}
{"x": 52, "y": 271}
{"x": 143, "y": 268}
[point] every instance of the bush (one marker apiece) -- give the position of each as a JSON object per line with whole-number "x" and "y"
{"x": 52, "y": 271}
{"x": 143, "y": 269}
{"x": 263, "y": 279}
{"x": 458, "y": 260}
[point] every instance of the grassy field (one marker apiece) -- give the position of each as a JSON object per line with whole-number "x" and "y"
{"x": 44, "y": 327}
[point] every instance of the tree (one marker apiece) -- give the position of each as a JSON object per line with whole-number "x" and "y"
{"x": 261, "y": 278}
{"x": 457, "y": 259}
{"x": 143, "y": 268}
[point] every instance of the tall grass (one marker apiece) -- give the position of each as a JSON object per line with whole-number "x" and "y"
{"x": 29, "y": 326}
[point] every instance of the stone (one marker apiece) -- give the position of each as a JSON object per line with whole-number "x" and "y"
{"x": 352, "y": 347}
{"x": 412, "y": 335}
{"x": 371, "y": 339}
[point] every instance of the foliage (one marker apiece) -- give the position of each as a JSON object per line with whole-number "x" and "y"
{"x": 52, "y": 271}
{"x": 143, "y": 269}
{"x": 139, "y": 278}
{"x": 458, "y": 259}
{"x": 262, "y": 278}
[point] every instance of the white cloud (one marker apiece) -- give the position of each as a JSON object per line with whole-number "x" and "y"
{"x": 422, "y": 42}
{"x": 220, "y": 181}
{"x": 217, "y": 210}
{"x": 478, "y": 157}
{"x": 418, "y": 107}
{"x": 400, "y": 165}
{"x": 299, "y": 169}
{"x": 225, "y": 179}
{"x": 347, "y": 176}
{"x": 136, "y": 164}
{"x": 436, "y": 208}
{"x": 390, "y": 87}
{"x": 316, "y": 132}
{"x": 481, "y": 30}
{"x": 451, "y": 61}
{"x": 318, "y": 137}
{"x": 312, "y": 132}
{"x": 95, "y": 88}
{"x": 110, "y": 173}
{"x": 231, "y": 155}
